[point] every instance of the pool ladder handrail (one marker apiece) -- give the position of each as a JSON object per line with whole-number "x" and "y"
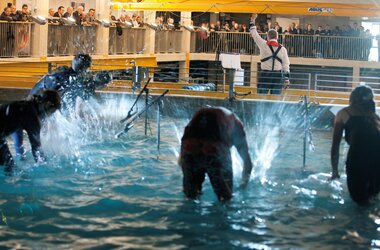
{"x": 307, "y": 130}
{"x": 136, "y": 115}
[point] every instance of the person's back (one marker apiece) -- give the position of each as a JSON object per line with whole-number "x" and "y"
{"x": 274, "y": 59}
{"x": 361, "y": 125}
{"x": 209, "y": 124}
{"x": 205, "y": 148}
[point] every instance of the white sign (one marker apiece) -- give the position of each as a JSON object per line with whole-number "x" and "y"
{"x": 319, "y": 9}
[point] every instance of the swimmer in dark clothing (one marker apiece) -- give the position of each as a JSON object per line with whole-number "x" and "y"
{"x": 74, "y": 84}
{"x": 205, "y": 148}
{"x": 26, "y": 115}
{"x": 361, "y": 125}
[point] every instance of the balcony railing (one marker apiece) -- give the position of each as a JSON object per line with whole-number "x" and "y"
{"x": 126, "y": 41}
{"x": 168, "y": 41}
{"x": 329, "y": 47}
{"x": 69, "y": 40}
{"x": 15, "y": 41}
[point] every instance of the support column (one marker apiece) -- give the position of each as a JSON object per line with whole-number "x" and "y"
{"x": 150, "y": 34}
{"x": 185, "y": 41}
{"x": 254, "y": 74}
{"x": 355, "y": 76}
{"x": 40, "y": 32}
{"x": 102, "y": 34}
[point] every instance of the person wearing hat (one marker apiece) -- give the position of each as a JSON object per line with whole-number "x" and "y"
{"x": 28, "y": 116}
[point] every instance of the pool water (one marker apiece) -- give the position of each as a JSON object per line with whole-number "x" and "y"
{"x": 100, "y": 192}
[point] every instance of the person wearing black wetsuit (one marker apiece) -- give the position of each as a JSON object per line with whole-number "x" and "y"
{"x": 205, "y": 148}
{"x": 26, "y": 115}
{"x": 74, "y": 84}
{"x": 361, "y": 125}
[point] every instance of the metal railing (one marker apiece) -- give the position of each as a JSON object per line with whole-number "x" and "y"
{"x": 329, "y": 47}
{"x": 126, "y": 40}
{"x": 69, "y": 40}
{"x": 330, "y": 88}
{"x": 15, "y": 39}
{"x": 168, "y": 41}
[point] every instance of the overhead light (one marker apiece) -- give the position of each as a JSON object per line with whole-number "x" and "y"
{"x": 203, "y": 28}
{"x": 105, "y": 23}
{"x": 39, "y": 20}
{"x": 126, "y": 24}
{"x": 191, "y": 28}
{"x": 153, "y": 26}
{"x": 68, "y": 21}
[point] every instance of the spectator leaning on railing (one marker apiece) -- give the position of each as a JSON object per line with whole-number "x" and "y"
{"x": 6, "y": 15}
{"x": 274, "y": 62}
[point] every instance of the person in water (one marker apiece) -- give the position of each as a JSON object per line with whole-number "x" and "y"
{"x": 205, "y": 148}
{"x": 74, "y": 84}
{"x": 361, "y": 125}
{"x": 26, "y": 115}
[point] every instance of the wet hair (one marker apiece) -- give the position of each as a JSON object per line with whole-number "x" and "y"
{"x": 272, "y": 34}
{"x": 49, "y": 96}
{"x": 81, "y": 62}
{"x": 363, "y": 96}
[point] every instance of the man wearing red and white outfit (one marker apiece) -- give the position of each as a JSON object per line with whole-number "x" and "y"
{"x": 275, "y": 63}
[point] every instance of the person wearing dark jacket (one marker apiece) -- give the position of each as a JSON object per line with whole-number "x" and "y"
{"x": 26, "y": 115}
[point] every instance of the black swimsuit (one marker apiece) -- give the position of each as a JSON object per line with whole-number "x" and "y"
{"x": 363, "y": 158}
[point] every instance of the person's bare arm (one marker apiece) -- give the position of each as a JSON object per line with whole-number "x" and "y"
{"x": 337, "y": 137}
{"x": 240, "y": 142}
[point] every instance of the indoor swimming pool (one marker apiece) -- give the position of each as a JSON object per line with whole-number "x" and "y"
{"x": 101, "y": 192}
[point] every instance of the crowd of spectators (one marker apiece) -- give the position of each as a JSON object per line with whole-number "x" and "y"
{"x": 293, "y": 28}
{"x": 323, "y": 42}
{"x": 306, "y": 42}
{"x": 11, "y": 13}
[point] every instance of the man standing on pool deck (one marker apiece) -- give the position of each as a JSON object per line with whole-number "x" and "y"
{"x": 205, "y": 148}
{"x": 275, "y": 62}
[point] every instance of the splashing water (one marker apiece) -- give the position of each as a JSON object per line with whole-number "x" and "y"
{"x": 77, "y": 130}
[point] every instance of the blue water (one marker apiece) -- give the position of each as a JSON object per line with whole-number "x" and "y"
{"x": 104, "y": 193}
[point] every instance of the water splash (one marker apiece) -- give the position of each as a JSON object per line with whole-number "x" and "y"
{"x": 96, "y": 121}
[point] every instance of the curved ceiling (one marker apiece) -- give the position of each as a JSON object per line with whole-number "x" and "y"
{"x": 361, "y": 8}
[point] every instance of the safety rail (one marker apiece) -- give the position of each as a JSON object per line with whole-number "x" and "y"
{"x": 168, "y": 41}
{"x": 126, "y": 40}
{"x": 15, "y": 39}
{"x": 309, "y": 46}
{"x": 64, "y": 40}
{"x": 337, "y": 88}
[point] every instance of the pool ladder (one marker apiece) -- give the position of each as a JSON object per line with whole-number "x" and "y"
{"x": 134, "y": 114}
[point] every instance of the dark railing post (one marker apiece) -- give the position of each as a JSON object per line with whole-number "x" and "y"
{"x": 146, "y": 113}
{"x": 158, "y": 126}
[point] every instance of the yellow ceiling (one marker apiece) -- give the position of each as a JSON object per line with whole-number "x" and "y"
{"x": 361, "y": 8}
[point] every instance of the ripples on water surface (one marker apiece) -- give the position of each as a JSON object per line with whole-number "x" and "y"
{"x": 97, "y": 191}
